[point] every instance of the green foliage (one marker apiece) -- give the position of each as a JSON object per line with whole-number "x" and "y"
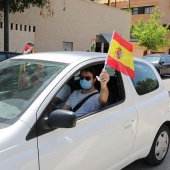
{"x": 21, "y": 5}
{"x": 151, "y": 34}
{"x": 128, "y": 9}
{"x": 146, "y": 85}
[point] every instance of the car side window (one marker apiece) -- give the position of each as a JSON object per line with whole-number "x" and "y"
{"x": 116, "y": 93}
{"x": 167, "y": 58}
{"x": 145, "y": 80}
{"x": 115, "y": 86}
{"x": 163, "y": 59}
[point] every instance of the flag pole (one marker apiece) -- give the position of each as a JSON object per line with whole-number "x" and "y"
{"x": 108, "y": 50}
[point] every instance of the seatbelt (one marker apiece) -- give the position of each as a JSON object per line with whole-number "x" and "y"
{"x": 83, "y": 101}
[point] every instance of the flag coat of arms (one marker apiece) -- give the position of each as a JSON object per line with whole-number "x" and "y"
{"x": 120, "y": 55}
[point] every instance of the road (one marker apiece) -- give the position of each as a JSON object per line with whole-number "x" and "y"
{"x": 140, "y": 164}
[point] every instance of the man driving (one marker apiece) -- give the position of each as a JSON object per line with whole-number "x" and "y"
{"x": 96, "y": 99}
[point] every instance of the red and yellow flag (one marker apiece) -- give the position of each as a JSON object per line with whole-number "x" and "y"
{"x": 120, "y": 55}
{"x": 22, "y": 76}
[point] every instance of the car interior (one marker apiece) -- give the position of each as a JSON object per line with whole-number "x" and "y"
{"x": 114, "y": 86}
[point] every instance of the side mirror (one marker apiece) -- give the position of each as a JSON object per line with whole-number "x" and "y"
{"x": 59, "y": 119}
{"x": 162, "y": 62}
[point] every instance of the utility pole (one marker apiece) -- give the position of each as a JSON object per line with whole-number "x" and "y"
{"x": 109, "y": 1}
{"x": 6, "y": 25}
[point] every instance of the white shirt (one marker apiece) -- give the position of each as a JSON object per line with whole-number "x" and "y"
{"x": 27, "y": 52}
{"x": 90, "y": 105}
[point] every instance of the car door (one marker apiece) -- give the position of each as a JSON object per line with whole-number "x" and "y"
{"x": 18, "y": 153}
{"x": 151, "y": 102}
{"x": 163, "y": 65}
{"x": 167, "y": 57}
{"x": 102, "y": 140}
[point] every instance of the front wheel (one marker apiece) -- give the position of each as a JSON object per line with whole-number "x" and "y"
{"x": 159, "y": 147}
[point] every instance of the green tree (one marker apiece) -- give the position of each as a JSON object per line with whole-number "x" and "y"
{"x": 21, "y": 5}
{"x": 151, "y": 34}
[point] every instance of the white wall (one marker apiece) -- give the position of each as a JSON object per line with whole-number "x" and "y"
{"x": 78, "y": 23}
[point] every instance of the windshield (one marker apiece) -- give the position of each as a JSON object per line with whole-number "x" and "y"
{"x": 152, "y": 59}
{"x": 21, "y": 81}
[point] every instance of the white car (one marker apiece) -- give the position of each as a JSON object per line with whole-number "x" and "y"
{"x": 34, "y": 136}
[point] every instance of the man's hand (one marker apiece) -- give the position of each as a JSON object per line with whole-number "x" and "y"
{"x": 104, "y": 78}
{"x": 31, "y": 48}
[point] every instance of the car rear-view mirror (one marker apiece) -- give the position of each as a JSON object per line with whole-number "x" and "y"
{"x": 161, "y": 62}
{"x": 59, "y": 119}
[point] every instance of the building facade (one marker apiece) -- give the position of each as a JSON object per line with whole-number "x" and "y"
{"x": 73, "y": 27}
{"x": 143, "y": 9}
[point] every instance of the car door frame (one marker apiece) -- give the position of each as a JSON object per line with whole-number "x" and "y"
{"x": 163, "y": 66}
{"x": 167, "y": 58}
{"x": 93, "y": 117}
{"x": 143, "y": 146}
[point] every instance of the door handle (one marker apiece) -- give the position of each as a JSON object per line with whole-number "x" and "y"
{"x": 128, "y": 123}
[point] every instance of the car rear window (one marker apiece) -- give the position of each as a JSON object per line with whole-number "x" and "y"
{"x": 2, "y": 57}
{"x": 151, "y": 58}
{"x": 145, "y": 80}
{"x": 10, "y": 55}
{"x": 167, "y": 58}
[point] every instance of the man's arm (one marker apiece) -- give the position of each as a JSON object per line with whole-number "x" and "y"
{"x": 62, "y": 95}
{"x": 66, "y": 107}
{"x": 104, "y": 93}
{"x": 56, "y": 100}
{"x": 29, "y": 50}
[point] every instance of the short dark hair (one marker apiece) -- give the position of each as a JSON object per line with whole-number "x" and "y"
{"x": 30, "y": 44}
{"x": 91, "y": 69}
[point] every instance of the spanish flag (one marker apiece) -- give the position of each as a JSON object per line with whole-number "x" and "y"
{"x": 22, "y": 76}
{"x": 120, "y": 55}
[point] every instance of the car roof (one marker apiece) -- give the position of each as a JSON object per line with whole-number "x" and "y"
{"x": 156, "y": 55}
{"x": 64, "y": 56}
{"x": 9, "y": 52}
{"x": 61, "y": 56}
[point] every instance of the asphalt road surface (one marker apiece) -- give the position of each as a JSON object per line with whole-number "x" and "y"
{"x": 140, "y": 164}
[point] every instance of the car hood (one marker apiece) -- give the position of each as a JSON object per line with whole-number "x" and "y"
{"x": 154, "y": 62}
{"x": 13, "y": 135}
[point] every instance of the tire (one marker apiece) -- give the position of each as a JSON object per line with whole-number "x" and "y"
{"x": 159, "y": 147}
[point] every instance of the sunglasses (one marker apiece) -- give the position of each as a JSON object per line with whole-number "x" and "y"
{"x": 88, "y": 78}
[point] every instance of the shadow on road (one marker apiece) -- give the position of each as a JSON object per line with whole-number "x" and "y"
{"x": 141, "y": 165}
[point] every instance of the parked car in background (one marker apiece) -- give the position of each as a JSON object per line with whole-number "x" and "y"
{"x": 34, "y": 136}
{"x": 6, "y": 55}
{"x": 160, "y": 61}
